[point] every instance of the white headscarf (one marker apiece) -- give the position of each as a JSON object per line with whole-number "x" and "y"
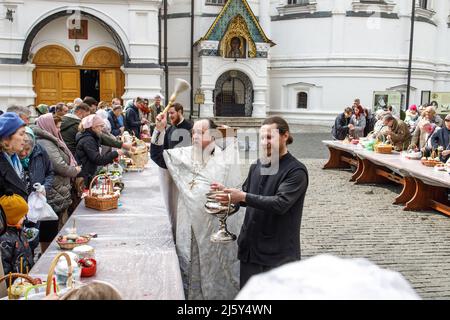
{"x": 104, "y": 115}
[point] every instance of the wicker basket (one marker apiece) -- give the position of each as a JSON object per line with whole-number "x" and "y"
{"x": 430, "y": 163}
{"x": 71, "y": 245}
{"x": 384, "y": 149}
{"x": 140, "y": 157}
{"x": 12, "y": 276}
{"x": 100, "y": 203}
{"x": 51, "y": 272}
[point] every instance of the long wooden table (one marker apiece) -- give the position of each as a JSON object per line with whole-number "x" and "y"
{"x": 423, "y": 187}
{"x": 135, "y": 250}
{"x": 342, "y": 156}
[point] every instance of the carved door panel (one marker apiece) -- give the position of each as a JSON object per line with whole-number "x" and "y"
{"x": 46, "y": 86}
{"x": 69, "y": 84}
{"x": 110, "y": 84}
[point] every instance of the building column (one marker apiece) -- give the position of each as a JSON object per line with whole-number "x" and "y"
{"x": 264, "y": 16}
{"x": 142, "y": 82}
{"x": 207, "y": 109}
{"x": 17, "y": 86}
{"x": 259, "y": 104}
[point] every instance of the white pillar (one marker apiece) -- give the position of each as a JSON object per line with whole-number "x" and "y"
{"x": 207, "y": 109}
{"x": 264, "y": 16}
{"x": 16, "y": 84}
{"x": 259, "y": 105}
{"x": 143, "y": 33}
{"x": 337, "y": 28}
{"x": 142, "y": 82}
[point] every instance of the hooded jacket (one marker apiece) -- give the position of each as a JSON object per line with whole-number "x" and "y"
{"x": 14, "y": 247}
{"x": 59, "y": 196}
{"x": 88, "y": 155}
{"x": 133, "y": 121}
{"x": 69, "y": 130}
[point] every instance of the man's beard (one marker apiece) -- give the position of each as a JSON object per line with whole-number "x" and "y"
{"x": 175, "y": 121}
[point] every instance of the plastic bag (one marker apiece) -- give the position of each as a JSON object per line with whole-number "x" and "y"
{"x": 39, "y": 209}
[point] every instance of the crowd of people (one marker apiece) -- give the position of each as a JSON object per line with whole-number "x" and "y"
{"x": 422, "y": 128}
{"x": 61, "y": 147}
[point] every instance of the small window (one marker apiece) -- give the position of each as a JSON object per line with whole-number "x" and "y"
{"x": 299, "y": 2}
{"x": 216, "y": 2}
{"x": 423, "y": 4}
{"x": 302, "y": 100}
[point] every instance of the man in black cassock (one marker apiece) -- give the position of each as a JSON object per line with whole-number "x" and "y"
{"x": 273, "y": 193}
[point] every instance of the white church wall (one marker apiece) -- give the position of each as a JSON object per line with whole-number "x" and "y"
{"x": 131, "y": 21}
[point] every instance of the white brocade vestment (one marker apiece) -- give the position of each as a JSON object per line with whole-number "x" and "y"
{"x": 211, "y": 269}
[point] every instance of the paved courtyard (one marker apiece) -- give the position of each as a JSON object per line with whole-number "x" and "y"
{"x": 349, "y": 220}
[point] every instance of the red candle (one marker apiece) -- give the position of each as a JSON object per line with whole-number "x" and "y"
{"x": 54, "y": 285}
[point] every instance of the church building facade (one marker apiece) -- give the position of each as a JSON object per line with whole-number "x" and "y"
{"x": 304, "y": 60}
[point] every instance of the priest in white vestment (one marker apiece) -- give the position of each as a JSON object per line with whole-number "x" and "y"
{"x": 210, "y": 270}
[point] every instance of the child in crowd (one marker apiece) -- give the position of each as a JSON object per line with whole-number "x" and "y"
{"x": 15, "y": 250}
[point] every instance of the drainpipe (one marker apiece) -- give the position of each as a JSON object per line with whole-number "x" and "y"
{"x": 192, "y": 60}
{"x": 411, "y": 47}
{"x": 159, "y": 35}
{"x": 166, "y": 66}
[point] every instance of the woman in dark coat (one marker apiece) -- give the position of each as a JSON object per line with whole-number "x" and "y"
{"x": 113, "y": 118}
{"x": 38, "y": 169}
{"x": 12, "y": 136}
{"x": 36, "y": 163}
{"x": 65, "y": 168}
{"x": 88, "y": 148}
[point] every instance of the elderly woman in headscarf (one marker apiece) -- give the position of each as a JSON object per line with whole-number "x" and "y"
{"x": 48, "y": 136}
{"x": 12, "y": 136}
{"x": 36, "y": 163}
{"x": 421, "y": 134}
{"x": 424, "y": 143}
{"x": 37, "y": 169}
{"x": 88, "y": 147}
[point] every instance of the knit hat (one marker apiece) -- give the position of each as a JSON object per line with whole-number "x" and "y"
{"x": 447, "y": 117}
{"x": 10, "y": 122}
{"x": 15, "y": 208}
{"x": 92, "y": 120}
{"x": 42, "y": 109}
{"x": 413, "y": 107}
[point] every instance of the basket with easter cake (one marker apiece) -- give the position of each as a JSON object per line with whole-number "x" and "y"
{"x": 432, "y": 161}
{"x": 101, "y": 194}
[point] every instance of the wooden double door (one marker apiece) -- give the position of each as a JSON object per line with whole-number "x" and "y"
{"x": 56, "y": 78}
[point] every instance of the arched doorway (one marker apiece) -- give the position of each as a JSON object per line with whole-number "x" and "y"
{"x": 233, "y": 95}
{"x": 103, "y": 65}
{"x": 57, "y": 78}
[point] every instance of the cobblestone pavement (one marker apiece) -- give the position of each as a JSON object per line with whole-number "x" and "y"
{"x": 360, "y": 221}
{"x": 349, "y": 220}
